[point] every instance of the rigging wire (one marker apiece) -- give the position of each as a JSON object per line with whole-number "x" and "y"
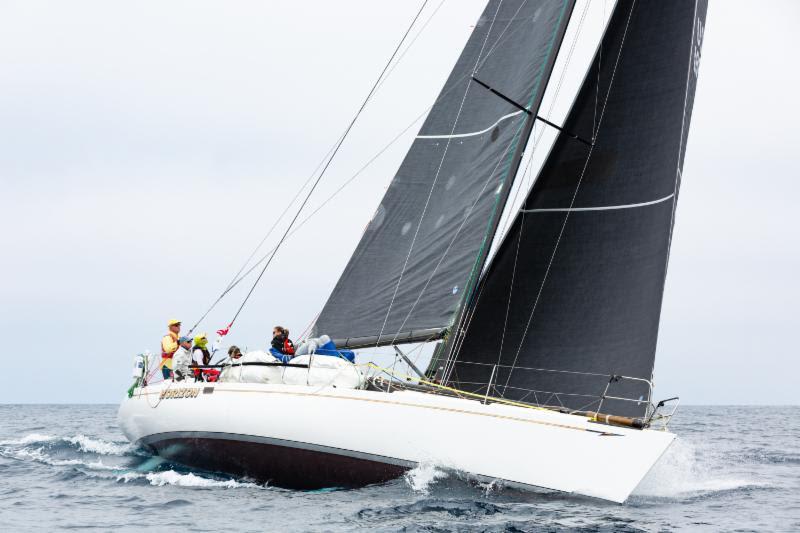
{"x": 526, "y": 174}
{"x": 327, "y": 164}
{"x": 410, "y": 44}
{"x": 574, "y": 196}
{"x": 501, "y": 157}
{"x": 234, "y": 280}
{"x": 467, "y": 313}
{"x": 436, "y": 178}
{"x": 537, "y": 139}
{"x": 524, "y": 178}
{"x": 421, "y": 115}
{"x": 331, "y": 152}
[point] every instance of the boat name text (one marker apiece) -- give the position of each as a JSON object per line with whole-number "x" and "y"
{"x": 179, "y": 393}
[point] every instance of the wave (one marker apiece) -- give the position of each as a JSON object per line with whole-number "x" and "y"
{"x": 79, "y": 442}
{"x": 83, "y": 455}
{"x": 99, "y": 446}
{"x": 38, "y": 455}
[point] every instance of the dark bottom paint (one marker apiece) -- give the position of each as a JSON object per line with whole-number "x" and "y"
{"x": 282, "y": 466}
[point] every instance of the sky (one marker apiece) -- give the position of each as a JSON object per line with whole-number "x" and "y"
{"x": 147, "y": 147}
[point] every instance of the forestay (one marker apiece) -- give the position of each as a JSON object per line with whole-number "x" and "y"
{"x": 577, "y": 284}
{"x": 426, "y": 243}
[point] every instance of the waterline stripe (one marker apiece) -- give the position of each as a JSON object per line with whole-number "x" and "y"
{"x": 472, "y": 134}
{"x": 601, "y": 208}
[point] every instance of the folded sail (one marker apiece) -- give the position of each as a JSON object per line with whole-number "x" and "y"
{"x": 577, "y": 284}
{"x": 424, "y": 248}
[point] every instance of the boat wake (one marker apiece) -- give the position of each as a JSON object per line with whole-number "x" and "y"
{"x": 94, "y": 457}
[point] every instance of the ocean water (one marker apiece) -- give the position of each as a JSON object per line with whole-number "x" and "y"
{"x": 69, "y": 467}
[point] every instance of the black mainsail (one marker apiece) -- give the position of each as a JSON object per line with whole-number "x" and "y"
{"x": 424, "y": 249}
{"x": 576, "y": 286}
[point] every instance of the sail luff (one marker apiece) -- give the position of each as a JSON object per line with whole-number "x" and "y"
{"x": 444, "y": 358}
{"x": 514, "y": 166}
{"x": 590, "y": 245}
{"x": 420, "y": 256}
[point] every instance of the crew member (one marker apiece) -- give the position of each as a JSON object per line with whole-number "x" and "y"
{"x": 169, "y": 345}
{"x": 182, "y": 359}
{"x": 201, "y": 357}
{"x": 281, "y": 341}
{"x": 234, "y": 352}
{"x": 200, "y": 353}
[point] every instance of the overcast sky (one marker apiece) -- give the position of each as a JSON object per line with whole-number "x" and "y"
{"x": 146, "y": 148}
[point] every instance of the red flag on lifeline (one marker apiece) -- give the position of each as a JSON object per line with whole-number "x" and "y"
{"x": 224, "y": 331}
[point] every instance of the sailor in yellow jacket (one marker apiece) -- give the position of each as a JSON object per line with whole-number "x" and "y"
{"x": 169, "y": 345}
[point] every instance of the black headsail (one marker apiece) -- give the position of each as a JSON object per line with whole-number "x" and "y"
{"x": 577, "y": 284}
{"x": 423, "y": 251}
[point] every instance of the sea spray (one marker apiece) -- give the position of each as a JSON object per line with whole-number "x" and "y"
{"x": 423, "y": 476}
{"x": 687, "y": 469}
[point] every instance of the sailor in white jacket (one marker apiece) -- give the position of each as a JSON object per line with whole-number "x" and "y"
{"x": 182, "y": 359}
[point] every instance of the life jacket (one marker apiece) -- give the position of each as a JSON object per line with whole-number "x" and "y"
{"x": 283, "y": 344}
{"x": 165, "y": 355}
{"x": 206, "y": 354}
{"x": 288, "y": 346}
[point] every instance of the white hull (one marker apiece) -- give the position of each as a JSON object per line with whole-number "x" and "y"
{"x": 311, "y": 436}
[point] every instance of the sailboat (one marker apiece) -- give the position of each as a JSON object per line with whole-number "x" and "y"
{"x": 542, "y": 374}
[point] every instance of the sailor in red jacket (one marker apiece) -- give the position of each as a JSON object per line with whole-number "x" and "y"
{"x": 281, "y": 341}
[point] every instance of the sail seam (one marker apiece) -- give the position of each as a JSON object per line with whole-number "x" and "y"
{"x": 471, "y": 134}
{"x": 599, "y": 208}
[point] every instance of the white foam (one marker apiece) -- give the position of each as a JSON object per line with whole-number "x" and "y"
{"x": 129, "y": 476}
{"x": 684, "y": 471}
{"x": 84, "y": 443}
{"x": 99, "y": 446}
{"x": 39, "y": 456}
{"x": 28, "y": 439}
{"x": 170, "y": 477}
{"x": 421, "y": 477}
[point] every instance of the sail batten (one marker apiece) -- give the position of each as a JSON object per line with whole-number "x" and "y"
{"x": 422, "y": 250}
{"x": 577, "y": 283}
